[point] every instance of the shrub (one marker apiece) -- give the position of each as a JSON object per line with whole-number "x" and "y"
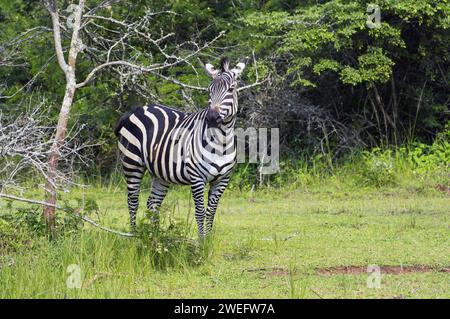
{"x": 429, "y": 158}
{"x": 14, "y": 237}
{"x": 378, "y": 169}
{"x": 167, "y": 242}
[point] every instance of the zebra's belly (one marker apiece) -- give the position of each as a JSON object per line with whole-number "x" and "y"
{"x": 174, "y": 172}
{"x": 190, "y": 173}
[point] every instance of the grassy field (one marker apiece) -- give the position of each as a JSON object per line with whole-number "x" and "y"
{"x": 269, "y": 243}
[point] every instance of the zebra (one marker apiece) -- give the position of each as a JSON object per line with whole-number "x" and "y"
{"x": 193, "y": 149}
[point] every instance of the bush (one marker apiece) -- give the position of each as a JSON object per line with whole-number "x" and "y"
{"x": 167, "y": 242}
{"x": 378, "y": 169}
{"x": 430, "y": 158}
{"x": 13, "y": 237}
{"x": 29, "y": 223}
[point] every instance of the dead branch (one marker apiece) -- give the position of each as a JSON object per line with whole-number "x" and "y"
{"x": 25, "y": 143}
{"x": 155, "y": 67}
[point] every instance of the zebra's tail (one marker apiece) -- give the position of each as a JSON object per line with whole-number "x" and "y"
{"x": 123, "y": 119}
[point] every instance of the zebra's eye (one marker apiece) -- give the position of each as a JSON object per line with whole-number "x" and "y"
{"x": 231, "y": 89}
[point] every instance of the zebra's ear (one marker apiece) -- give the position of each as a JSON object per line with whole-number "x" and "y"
{"x": 210, "y": 70}
{"x": 238, "y": 69}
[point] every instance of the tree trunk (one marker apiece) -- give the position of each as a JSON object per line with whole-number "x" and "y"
{"x": 53, "y": 158}
{"x": 68, "y": 68}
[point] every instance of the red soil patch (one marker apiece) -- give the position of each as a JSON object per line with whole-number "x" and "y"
{"x": 443, "y": 188}
{"x": 394, "y": 270}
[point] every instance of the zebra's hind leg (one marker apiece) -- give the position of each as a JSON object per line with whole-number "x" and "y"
{"x": 214, "y": 194}
{"x": 198, "y": 191}
{"x": 133, "y": 176}
{"x": 159, "y": 191}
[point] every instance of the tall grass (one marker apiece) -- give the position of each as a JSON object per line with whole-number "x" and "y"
{"x": 26, "y": 255}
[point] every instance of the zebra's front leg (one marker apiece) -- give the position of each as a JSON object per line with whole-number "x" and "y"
{"x": 214, "y": 194}
{"x": 198, "y": 191}
{"x": 158, "y": 192}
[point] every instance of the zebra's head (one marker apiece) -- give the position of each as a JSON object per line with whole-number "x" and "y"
{"x": 222, "y": 93}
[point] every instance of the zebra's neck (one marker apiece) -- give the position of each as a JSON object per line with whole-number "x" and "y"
{"x": 228, "y": 125}
{"x": 224, "y": 130}
{"x": 217, "y": 140}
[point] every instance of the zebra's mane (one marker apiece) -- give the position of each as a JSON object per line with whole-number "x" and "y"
{"x": 224, "y": 64}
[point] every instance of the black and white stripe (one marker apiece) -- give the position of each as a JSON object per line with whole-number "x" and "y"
{"x": 183, "y": 148}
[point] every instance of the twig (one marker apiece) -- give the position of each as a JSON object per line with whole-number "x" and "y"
{"x": 252, "y": 85}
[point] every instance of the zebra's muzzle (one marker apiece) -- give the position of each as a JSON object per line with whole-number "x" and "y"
{"x": 213, "y": 119}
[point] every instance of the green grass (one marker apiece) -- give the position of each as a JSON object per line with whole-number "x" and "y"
{"x": 267, "y": 244}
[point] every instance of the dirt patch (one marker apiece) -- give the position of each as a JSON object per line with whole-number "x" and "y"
{"x": 443, "y": 188}
{"x": 394, "y": 270}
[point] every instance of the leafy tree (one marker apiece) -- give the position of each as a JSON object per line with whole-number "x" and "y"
{"x": 399, "y": 67}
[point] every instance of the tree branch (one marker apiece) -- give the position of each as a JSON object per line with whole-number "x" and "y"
{"x": 53, "y": 10}
{"x": 75, "y": 44}
{"x": 252, "y": 85}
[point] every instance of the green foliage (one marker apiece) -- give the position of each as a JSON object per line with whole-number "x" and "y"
{"x": 12, "y": 238}
{"x": 22, "y": 227}
{"x": 383, "y": 168}
{"x": 333, "y": 36}
{"x": 327, "y": 51}
{"x": 166, "y": 242}
{"x": 373, "y": 67}
{"x": 28, "y": 218}
{"x": 378, "y": 169}
{"x": 431, "y": 158}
